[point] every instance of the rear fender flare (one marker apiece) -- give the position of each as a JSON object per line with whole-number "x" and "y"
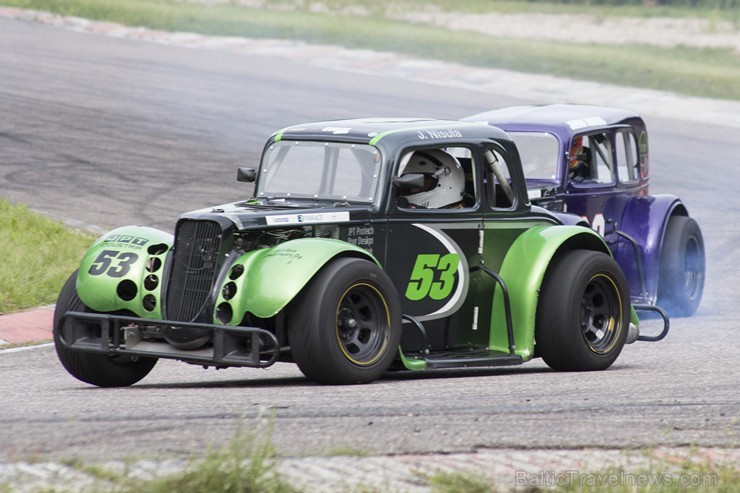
{"x": 523, "y": 270}
{"x": 263, "y": 282}
{"x": 123, "y": 270}
{"x": 645, "y": 220}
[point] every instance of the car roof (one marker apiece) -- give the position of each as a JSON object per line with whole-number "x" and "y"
{"x": 396, "y": 130}
{"x": 562, "y": 119}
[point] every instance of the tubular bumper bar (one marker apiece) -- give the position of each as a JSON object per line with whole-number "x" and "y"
{"x": 664, "y": 316}
{"x": 119, "y": 335}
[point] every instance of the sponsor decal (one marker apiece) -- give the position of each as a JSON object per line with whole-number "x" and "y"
{"x": 322, "y": 217}
{"x": 127, "y": 239}
{"x": 336, "y": 130}
{"x": 288, "y": 254}
{"x": 362, "y": 236}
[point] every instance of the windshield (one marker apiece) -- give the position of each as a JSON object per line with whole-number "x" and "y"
{"x": 320, "y": 170}
{"x": 539, "y": 154}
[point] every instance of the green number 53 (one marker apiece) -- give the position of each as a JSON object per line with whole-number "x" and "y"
{"x": 433, "y": 276}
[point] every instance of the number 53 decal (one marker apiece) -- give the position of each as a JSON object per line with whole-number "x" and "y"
{"x": 113, "y": 263}
{"x": 433, "y": 276}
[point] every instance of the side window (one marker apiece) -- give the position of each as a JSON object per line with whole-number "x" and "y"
{"x": 498, "y": 180}
{"x": 590, "y": 159}
{"x": 601, "y": 153}
{"x": 439, "y": 178}
{"x": 627, "y": 156}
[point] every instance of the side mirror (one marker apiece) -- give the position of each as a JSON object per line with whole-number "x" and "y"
{"x": 246, "y": 174}
{"x": 409, "y": 181}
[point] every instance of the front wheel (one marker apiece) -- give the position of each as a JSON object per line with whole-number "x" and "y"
{"x": 583, "y": 313}
{"x": 345, "y": 327}
{"x": 682, "y": 267}
{"x": 96, "y": 369}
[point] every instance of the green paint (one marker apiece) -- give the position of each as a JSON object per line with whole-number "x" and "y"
{"x": 274, "y": 276}
{"x": 113, "y": 271}
{"x": 523, "y": 270}
{"x": 429, "y": 267}
{"x": 375, "y": 139}
{"x": 633, "y": 317}
{"x": 413, "y": 364}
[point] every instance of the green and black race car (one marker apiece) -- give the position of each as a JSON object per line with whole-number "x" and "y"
{"x": 368, "y": 245}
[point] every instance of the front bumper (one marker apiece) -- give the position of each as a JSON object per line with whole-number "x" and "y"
{"x": 119, "y": 335}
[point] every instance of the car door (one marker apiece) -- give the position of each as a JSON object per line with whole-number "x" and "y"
{"x": 428, "y": 250}
{"x": 591, "y": 186}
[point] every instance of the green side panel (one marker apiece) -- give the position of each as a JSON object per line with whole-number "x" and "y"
{"x": 270, "y": 278}
{"x": 123, "y": 270}
{"x": 523, "y": 270}
{"x": 633, "y": 317}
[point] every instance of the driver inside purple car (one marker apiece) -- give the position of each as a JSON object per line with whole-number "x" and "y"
{"x": 579, "y": 164}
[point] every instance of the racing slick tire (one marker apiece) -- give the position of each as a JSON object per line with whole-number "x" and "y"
{"x": 96, "y": 369}
{"x": 682, "y": 267}
{"x": 345, "y": 326}
{"x": 584, "y": 312}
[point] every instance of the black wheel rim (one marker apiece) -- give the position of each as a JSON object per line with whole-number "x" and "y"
{"x": 693, "y": 268}
{"x": 601, "y": 314}
{"x": 363, "y": 324}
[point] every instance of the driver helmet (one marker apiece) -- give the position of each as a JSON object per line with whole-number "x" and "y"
{"x": 444, "y": 182}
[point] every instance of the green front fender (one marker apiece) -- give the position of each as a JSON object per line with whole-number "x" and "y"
{"x": 123, "y": 269}
{"x": 523, "y": 270}
{"x": 263, "y": 282}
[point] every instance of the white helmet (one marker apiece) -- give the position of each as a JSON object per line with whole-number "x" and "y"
{"x": 445, "y": 179}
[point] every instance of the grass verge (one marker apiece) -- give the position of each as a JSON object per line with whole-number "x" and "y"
{"x": 696, "y": 474}
{"x": 38, "y": 256}
{"x": 692, "y": 71}
{"x": 248, "y": 464}
{"x": 245, "y": 465}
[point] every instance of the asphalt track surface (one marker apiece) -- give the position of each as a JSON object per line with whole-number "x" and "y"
{"x": 105, "y": 132}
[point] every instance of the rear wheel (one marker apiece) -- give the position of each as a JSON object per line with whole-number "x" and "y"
{"x": 583, "y": 314}
{"x": 682, "y": 267}
{"x": 96, "y": 369}
{"x": 345, "y": 327}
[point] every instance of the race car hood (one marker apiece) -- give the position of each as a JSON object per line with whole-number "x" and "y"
{"x": 255, "y": 214}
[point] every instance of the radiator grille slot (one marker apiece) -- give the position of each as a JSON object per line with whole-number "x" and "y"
{"x": 197, "y": 246}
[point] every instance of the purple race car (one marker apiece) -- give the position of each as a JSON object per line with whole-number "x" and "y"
{"x": 590, "y": 165}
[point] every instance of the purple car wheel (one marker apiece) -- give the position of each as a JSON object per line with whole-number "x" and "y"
{"x": 682, "y": 267}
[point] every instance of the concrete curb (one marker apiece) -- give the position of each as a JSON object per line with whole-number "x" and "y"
{"x": 27, "y": 327}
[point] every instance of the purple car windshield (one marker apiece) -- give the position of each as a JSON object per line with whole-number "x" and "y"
{"x": 539, "y": 155}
